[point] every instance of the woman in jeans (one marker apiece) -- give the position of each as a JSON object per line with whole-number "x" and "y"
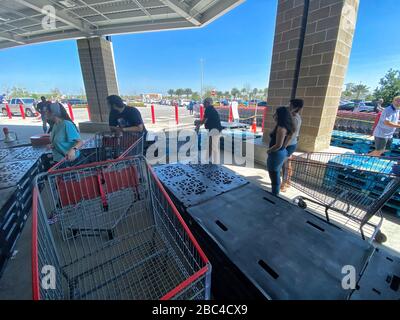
{"x": 277, "y": 152}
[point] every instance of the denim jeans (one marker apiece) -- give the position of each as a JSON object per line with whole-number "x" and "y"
{"x": 274, "y": 166}
{"x": 285, "y": 169}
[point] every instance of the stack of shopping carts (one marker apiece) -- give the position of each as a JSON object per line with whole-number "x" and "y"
{"x": 109, "y": 231}
{"x": 354, "y": 186}
{"x": 355, "y": 141}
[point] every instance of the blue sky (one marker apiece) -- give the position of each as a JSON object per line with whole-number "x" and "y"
{"x": 237, "y": 50}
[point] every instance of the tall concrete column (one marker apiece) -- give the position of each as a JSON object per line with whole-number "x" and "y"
{"x": 99, "y": 76}
{"x": 313, "y": 40}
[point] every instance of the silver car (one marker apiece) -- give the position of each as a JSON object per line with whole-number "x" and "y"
{"x": 28, "y": 104}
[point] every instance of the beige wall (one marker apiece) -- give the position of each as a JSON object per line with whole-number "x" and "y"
{"x": 328, "y": 39}
{"x": 98, "y": 70}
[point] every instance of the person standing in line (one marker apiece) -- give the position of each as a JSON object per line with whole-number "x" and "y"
{"x": 212, "y": 123}
{"x": 386, "y": 127}
{"x": 296, "y": 105}
{"x": 277, "y": 152}
{"x": 42, "y": 109}
{"x": 65, "y": 137}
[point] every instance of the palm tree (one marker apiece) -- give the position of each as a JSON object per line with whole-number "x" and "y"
{"x": 179, "y": 92}
{"x": 255, "y": 92}
{"x": 171, "y": 92}
{"x": 188, "y": 92}
{"x": 235, "y": 92}
{"x": 360, "y": 90}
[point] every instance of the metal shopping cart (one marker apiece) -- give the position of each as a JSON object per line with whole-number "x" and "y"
{"x": 355, "y": 186}
{"x": 110, "y": 231}
{"x": 105, "y": 146}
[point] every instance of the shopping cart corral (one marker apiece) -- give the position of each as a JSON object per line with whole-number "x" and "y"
{"x": 105, "y": 146}
{"x": 110, "y": 231}
{"x": 354, "y": 186}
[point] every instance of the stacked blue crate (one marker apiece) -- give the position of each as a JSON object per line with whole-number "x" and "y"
{"x": 351, "y": 171}
{"x": 353, "y": 141}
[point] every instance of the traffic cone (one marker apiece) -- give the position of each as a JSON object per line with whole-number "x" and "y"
{"x": 254, "y": 126}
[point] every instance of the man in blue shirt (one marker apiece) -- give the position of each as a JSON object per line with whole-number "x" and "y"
{"x": 386, "y": 127}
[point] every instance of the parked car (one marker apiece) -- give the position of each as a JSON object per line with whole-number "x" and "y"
{"x": 262, "y": 104}
{"x": 365, "y": 107}
{"x": 29, "y": 105}
{"x": 76, "y": 101}
{"x": 184, "y": 102}
{"x": 347, "y": 106}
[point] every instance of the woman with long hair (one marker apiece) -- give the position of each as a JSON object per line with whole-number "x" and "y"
{"x": 277, "y": 152}
{"x": 65, "y": 137}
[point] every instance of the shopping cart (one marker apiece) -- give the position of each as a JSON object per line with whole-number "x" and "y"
{"x": 106, "y": 146}
{"x": 355, "y": 186}
{"x": 110, "y": 231}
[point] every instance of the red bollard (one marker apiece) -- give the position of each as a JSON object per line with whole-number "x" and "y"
{"x": 201, "y": 112}
{"x": 21, "y": 109}
{"x": 71, "y": 113}
{"x": 8, "y": 111}
{"x": 230, "y": 114}
{"x": 88, "y": 111}
{"x": 176, "y": 114}
{"x": 263, "y": 120}
{"x": 153, "y": 115}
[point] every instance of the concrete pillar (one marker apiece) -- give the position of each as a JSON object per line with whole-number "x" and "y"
{"x": 99, "y": 75}
{"x": 313, "y": 40}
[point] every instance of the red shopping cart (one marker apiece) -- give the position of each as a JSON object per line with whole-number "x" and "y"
{"x": 105, "y": 146}
{"x": 110, "y": 231}
{"x": 354, "y": 186}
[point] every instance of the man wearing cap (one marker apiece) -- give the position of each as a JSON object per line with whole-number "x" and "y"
{"x": 386, "y": 127}
{"x": 212, "y": 123}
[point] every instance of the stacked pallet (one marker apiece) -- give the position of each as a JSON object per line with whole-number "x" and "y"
{"x": 360, "y": 143}
{"x": 355, "y": 172}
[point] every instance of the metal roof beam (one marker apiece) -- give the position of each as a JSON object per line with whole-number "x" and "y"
{"x": 38, "y": 5}
{"x": 183, "y": 10}
{"x": 9, "y": 37}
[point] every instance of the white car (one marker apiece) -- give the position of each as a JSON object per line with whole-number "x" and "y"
{"x": 184, "y": 103}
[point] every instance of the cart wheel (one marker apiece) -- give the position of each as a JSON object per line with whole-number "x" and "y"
{"x": 380, "y": 237}
{"x": 302, "y": 204}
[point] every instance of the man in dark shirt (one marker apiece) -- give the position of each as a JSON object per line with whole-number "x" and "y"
{"x": 41, "y": 107}
{"x": 123, "y": 118}
{"x": 212, "y": 123}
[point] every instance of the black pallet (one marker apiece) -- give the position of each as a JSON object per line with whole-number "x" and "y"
{"x": 381, "y": 279}
{"x": 285, "y": 252}
{"x": 194, "y": 184}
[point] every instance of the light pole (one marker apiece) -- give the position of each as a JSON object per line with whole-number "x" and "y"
{"x": 202, "y": 76}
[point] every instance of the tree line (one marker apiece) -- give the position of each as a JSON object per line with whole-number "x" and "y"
{"x": 244, "y": 93}
{"x": 389, "y": 87}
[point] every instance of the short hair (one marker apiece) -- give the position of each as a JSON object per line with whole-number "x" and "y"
{"x": 396, "y": 98}
{"x": 115, "y": 100}
{"x": 43, "y": 97}
{"x": 208, "y": 101}
{"x": 297, "y": 103}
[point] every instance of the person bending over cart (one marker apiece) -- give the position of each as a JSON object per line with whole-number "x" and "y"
{"x": 64, "y": 136}
{"x": 212, "y": 123}
{"x": 386, "y": 127}
{"x": 124, "y": 118}
{"x": 277, "y": 153}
